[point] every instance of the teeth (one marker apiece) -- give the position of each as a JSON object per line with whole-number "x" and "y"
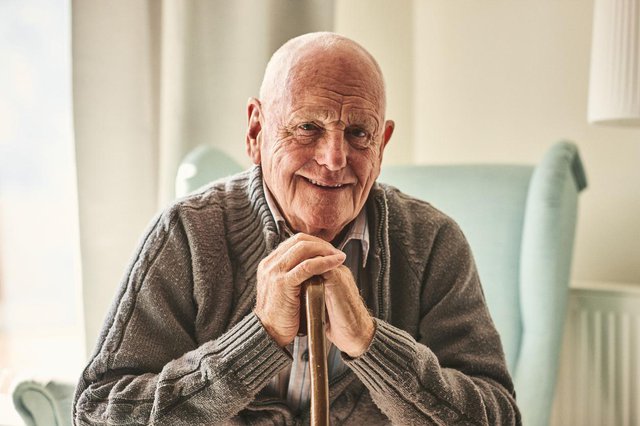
{"x": 315, "y": 182}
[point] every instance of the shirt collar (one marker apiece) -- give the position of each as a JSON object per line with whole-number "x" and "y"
{"x": 358, "y": 229}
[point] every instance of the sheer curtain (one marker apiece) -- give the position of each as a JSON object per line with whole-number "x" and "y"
{"x": 39, "y": 252}
{"x": 153, "y": 79}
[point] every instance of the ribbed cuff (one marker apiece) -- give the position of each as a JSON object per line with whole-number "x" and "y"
{"x": 388, "y": 360}
{"x": 250, "y": 352}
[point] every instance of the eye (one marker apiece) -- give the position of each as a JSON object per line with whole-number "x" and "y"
{"x": 306, "y": 133}
{"x": 357, "y": 136}
{"x": 357, "y": 132}
{"x": 308, "y": 127}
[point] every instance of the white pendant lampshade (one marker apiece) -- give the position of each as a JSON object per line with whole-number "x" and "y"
{"x": 614, "y": 88}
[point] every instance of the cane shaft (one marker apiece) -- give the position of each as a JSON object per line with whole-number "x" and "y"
{"x": 317, "y": 352}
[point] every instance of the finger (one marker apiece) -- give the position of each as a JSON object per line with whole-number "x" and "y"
{"x": 294, "y": 239}
{"x": 314, "y": 266}
{"x": 305, "y": 250}
{"x": 275, "y": 256}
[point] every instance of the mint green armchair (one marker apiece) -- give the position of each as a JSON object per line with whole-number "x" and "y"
{"x": 520, "y": 223}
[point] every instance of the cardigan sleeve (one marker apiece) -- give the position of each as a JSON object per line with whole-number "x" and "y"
{"x": 148, "y": 367}
{"x": 454, "y": 372}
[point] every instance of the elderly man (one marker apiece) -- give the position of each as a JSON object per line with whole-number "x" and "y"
{"x": 204, "y": 328}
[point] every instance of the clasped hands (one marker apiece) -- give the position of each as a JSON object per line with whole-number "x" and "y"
{"x": 279, "y": 285}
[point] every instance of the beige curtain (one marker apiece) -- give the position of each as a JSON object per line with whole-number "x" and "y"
{"x": 153, "y": 79}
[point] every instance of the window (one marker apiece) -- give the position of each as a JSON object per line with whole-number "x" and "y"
{"x": 40, "y": 330}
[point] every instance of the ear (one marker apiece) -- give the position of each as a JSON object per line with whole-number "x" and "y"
{"x": 389, "y": 125}
{"x": 254, "y": 128}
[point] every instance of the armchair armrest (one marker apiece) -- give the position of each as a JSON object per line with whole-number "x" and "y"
{"x": 42, "y": 403}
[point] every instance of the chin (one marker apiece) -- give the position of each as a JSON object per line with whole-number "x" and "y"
{"x": 329, "y": 224}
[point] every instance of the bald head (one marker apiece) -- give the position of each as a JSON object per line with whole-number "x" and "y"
{"x": 310, "y": 52}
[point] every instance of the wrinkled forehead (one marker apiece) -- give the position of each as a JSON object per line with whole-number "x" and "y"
{"x": 328, "y": 68}
{"x": 338, "y": 81}
{"x": 334, "y": 73}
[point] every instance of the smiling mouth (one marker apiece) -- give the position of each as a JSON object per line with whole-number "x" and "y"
{"x": 325, "y": 185}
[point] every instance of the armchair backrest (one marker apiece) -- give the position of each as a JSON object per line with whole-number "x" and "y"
{"x": 201, "y": 166}
{"x": 488, "y": 202}
{"x": 520, "y": 223}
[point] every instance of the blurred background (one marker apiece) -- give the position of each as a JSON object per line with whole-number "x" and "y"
{"x": 40, "y": 294}
{"x": 100, "y": 100}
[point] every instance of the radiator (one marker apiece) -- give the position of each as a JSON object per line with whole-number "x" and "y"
{"x": 599, "y": 375}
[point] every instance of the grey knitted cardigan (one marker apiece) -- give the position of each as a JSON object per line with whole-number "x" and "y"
{"x": 181, "y": 345}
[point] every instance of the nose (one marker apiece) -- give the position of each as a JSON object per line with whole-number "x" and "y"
{"x": 331, "y": 151}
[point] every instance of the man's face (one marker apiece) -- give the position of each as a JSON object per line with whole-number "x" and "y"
{"x": 321, "y": 143}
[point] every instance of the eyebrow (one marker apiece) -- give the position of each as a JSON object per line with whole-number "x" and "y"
{"x": 356, "y": 117}
{"x": 321, "y": 114}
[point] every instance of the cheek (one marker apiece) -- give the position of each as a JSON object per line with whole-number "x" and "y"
{"x": 367, "y": 165}
{"x": 292, "y": 154}
{"x": 286, "y": 160}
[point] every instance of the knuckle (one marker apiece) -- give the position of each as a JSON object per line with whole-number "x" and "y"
{"x": 298, "y": 237}
{"x": 304, "y": 247}
{"x": 305, "y": 267}
{"x": 299, "y": 273}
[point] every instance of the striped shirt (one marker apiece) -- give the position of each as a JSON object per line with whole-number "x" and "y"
{"x": 292, "y": 384}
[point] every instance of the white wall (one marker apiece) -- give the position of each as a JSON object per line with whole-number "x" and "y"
{"x": 500, "y": 81}
{"x": 384, "y": 28}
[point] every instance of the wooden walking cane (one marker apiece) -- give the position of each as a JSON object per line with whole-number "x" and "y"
{"x": 314, "y": 296}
